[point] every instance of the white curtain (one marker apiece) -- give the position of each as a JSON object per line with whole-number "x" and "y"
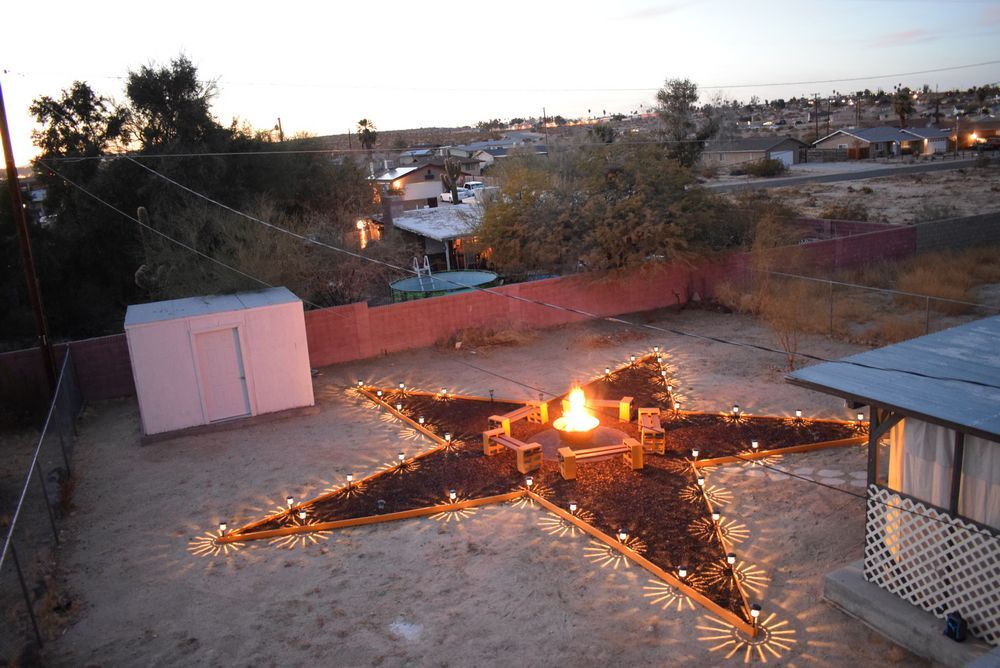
{"x": 979, "y": 498}
{"x": 920, "y": 460}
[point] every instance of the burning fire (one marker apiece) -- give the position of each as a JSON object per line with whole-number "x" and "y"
{"x": 577, "y": 417}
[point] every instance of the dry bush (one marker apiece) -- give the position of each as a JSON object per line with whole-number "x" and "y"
{"x": 949, "y": 275}
{"x": 849, "y": 210}
{"x": 892, "y": 328}
{"x": 591, "y": 341}
{"x": 487, "y": 337}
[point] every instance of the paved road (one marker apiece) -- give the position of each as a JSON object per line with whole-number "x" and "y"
{"x": 854, "y": 175}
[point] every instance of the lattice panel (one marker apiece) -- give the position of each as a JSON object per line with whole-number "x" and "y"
{"x": 934, "y": 560}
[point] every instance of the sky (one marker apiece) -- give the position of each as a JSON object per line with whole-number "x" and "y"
{"x": 322, "y": 66}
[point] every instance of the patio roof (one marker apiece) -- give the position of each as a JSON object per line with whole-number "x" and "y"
{"x": 950, "y": 378}
{"x": 448, "y": 221}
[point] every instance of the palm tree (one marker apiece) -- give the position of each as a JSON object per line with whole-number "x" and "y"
{"x": 367, "y": 134}
{"x": 902, "y": 104}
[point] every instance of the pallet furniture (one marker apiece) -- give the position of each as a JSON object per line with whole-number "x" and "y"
{"x": 529, "y": 455}
{"x": 624, "y": 406}
{"x": 534, "y": 411}
{"x": 630, "y": 449}
{"x": 651, "y": 433}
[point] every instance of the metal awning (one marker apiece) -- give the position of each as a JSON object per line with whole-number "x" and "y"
{"x": 951, "y": 378}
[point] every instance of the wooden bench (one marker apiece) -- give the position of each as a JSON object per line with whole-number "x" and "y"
{"x": 630, "y": 449}
{"x": 535, "y": 411}
{"x": 624, "y": 406}
{"x": 529, "y": 455}
{"x": 651, "y": 432}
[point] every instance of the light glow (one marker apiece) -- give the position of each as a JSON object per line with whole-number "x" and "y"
{"x": 577, "y": 418}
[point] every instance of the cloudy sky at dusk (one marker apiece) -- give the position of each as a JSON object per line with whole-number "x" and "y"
{"x": 322, "y": 66}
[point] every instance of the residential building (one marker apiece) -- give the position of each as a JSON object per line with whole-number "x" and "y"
{"x": 752, "y": 149}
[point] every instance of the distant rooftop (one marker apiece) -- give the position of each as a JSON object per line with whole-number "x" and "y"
{"x": 141, "y": 314}
{"x": 969, "y": 352}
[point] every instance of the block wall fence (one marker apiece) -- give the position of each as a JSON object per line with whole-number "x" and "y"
{"x": 358, "y": 331}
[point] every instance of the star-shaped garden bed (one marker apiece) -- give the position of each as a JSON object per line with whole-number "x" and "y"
{"x": 666, "y": 516}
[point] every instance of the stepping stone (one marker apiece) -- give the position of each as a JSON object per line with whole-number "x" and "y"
{"x": 832, "y": 481}
{"x": 754, "y": 473}
{"x": 776, "y": 476}
{"x": 860, "y": 475}
{"x": 829, "y": 473}
{"x": 859, "y": 483}
{"x": 804, "y": 471}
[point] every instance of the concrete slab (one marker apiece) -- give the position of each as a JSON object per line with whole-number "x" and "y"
{"x": 903, "y": 623}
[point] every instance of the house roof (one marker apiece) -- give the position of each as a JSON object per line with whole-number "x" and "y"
{"x": 879, "y": 134}
{"x": 448, "y": 221}
{"x": 950, "y": 377}
{"x": 930, "y": 132}
{"x": 751, "y": 144}
{"x": 141, "y": 314}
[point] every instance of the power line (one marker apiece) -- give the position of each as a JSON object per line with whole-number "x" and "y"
{"x": 480, "y": 89}
{"x": 568, "y": 309}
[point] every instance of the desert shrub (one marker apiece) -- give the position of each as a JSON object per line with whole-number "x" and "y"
{"x": 766, "y": 167}
{"x": 710, "y": 171}
{"x": 737, "y": 171}
{"x": 949, "y": 275}
{"x": 934, "y": 211}
{"x": 611, "y": 340}
{"x": 866, "y": 190}
{"x": 894, "y": 328}
{"x": 486, "y": 337}
{"x": 849, "y": 210}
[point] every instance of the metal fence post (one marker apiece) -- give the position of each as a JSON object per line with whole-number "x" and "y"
{"x": 27, "y": 596}
{"x": 48, "y": 505}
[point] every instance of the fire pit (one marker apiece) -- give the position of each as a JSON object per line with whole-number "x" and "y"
{"x": 576, "y": 426}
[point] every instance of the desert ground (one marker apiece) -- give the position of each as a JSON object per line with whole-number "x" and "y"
{"x": 489, "y": 588}
{"x": 912, "y": 198}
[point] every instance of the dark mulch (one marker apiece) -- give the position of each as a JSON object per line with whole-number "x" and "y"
{"x": 658, "y": 506}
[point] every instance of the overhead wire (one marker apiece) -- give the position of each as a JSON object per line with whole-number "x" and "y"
{"x": 568, "y": 309}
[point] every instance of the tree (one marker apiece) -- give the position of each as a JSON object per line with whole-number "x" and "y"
{"x": 170, "y": 107}
{"x": 450, "y": 178}
{"x": 602, "y": 132}
{"x": 676, "y": 106}
{"x": 902, "y": 104}
{"x": 367, "y": 134}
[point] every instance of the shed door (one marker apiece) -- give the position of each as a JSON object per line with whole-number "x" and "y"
{"x": 786, "y": 157}
{"x": 220, "y": 367}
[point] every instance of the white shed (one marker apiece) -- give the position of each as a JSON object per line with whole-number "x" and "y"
{"x": 202, "y": 360}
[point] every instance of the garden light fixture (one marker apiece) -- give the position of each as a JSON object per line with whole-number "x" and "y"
{"x": 716, "y": 516}
{"x": 622, "y": 535}
{"x": 222, "y": 528}
{"x": 754, "y": 444}
{"x": 302, "y": 514}
{"x": 694, "y": 453}
{"x": 731, "y": 558}
{"x": 572, "y": 506}
{"x": 452, "y": 495}
{"x": 290, "y": 501}
{"x": 682, "y": 572}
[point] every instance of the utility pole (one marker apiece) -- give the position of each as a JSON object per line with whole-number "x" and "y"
{"x": 31, "y": 277}
{"x": 816, "y": 114}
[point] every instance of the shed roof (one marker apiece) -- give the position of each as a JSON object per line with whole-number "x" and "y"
{"x": 448, "y": 221}
{"x": 141, "y": 314}
{"x": 950, "y": 377}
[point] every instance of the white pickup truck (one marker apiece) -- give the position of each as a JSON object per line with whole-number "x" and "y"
{"x": 466, "y": 192}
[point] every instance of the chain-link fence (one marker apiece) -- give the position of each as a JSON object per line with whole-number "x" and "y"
{"x": 874, "y": 315}
{"x": 43, "y": 495}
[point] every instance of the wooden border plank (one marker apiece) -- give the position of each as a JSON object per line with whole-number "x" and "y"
{"x": 236, "y": 537}
{"x": 809, "y": 447}
{"x": 669, "y": 578}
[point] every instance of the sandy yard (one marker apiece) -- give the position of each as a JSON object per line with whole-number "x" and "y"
{"x": 908, "y": 198}
{"x": 491, "y": 588}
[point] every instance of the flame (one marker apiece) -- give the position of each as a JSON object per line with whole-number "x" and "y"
{"x": 577, "y": 418}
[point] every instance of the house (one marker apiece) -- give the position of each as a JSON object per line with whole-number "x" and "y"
{"x": 447, "y": 232}
{"x": 414, "y": 156}
{"x": 883, "y": 141}
{"x": 932, "y": 526}
{"x": 417, "y": 185}
{"x": 724, "y": 154}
